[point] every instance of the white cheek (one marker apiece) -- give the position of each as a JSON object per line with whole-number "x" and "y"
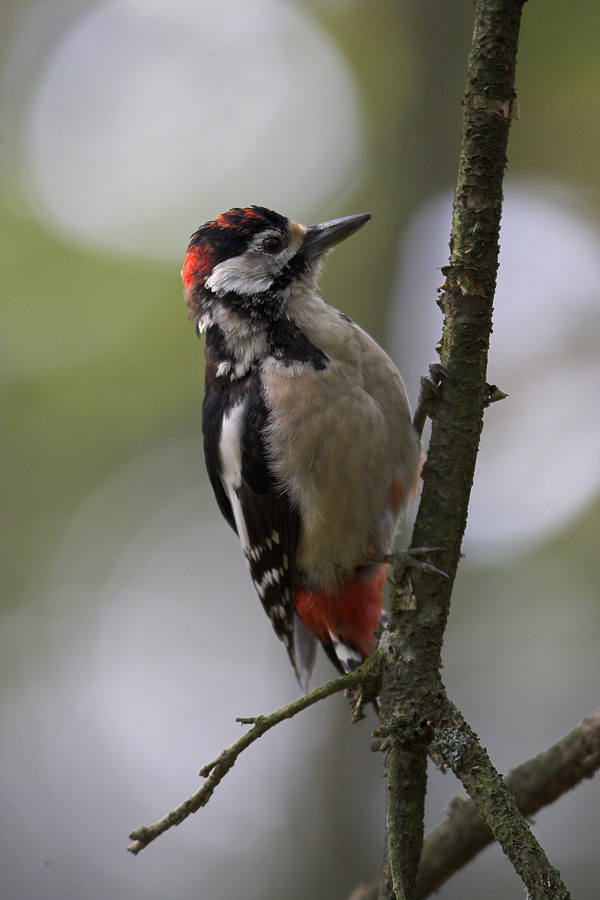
{"x": 241, "y": 275}
{"x": 251, "y": 273}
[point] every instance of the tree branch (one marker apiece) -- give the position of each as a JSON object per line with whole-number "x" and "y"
{"x": 216, "y": 770}
{"x": 412, "y": 697}
{"x": 534, "y": 784}
{"x": 459, "y": 748}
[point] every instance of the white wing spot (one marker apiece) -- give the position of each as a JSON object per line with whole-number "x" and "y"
{"x": 273, "y": 576}
{"x": 278, "y": 613}
{"x": 252, "y": 553}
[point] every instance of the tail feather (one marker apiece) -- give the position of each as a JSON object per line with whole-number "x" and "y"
{"x": 347, "y": 657}
{"x": 303, "y": 653}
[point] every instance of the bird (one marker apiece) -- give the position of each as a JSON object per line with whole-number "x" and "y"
{"x": 308, "y": 438}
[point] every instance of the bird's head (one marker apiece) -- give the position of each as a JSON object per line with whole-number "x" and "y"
{"x": 248, "y": 262}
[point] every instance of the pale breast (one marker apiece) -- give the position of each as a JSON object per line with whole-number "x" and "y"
{"x": 343, "y": 437}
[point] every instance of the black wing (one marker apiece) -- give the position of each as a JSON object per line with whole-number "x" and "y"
{"x": 234, "y": 420}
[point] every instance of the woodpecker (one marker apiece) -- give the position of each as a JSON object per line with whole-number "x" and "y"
{"x": 308, "y": 438}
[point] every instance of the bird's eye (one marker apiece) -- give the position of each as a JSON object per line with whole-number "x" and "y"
{"x": 272, "y": 244}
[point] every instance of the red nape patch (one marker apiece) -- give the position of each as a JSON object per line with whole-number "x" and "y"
{"x": 197, "y": 262}
{"x": 351, "y": 610}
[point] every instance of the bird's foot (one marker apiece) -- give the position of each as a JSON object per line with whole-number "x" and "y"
{"x": 402, "y": 562}
{"x": 413, "y": 558}
{"x": 357, "y": 699}
{"x": 430, "y": 394}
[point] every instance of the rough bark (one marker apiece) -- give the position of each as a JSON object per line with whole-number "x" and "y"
{"x": 534, "y": 784}
{"x": 412, "y": 698}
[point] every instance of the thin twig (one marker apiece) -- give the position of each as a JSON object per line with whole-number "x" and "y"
{"x": 216, "y": 770}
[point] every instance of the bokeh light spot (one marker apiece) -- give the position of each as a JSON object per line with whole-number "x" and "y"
{"x": 151, "y": 118}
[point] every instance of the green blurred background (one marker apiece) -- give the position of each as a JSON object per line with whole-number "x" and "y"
{"x": 131, "y": 636}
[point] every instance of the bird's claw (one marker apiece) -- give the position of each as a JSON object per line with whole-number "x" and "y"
{"x": 430, "y": 394}
{"x": 357, "y": 699}
{"x": 403, "y": 560}
{"x": 437, "y": 372}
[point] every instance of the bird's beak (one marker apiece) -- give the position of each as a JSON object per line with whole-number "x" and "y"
{"x": 320, "y": 238}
